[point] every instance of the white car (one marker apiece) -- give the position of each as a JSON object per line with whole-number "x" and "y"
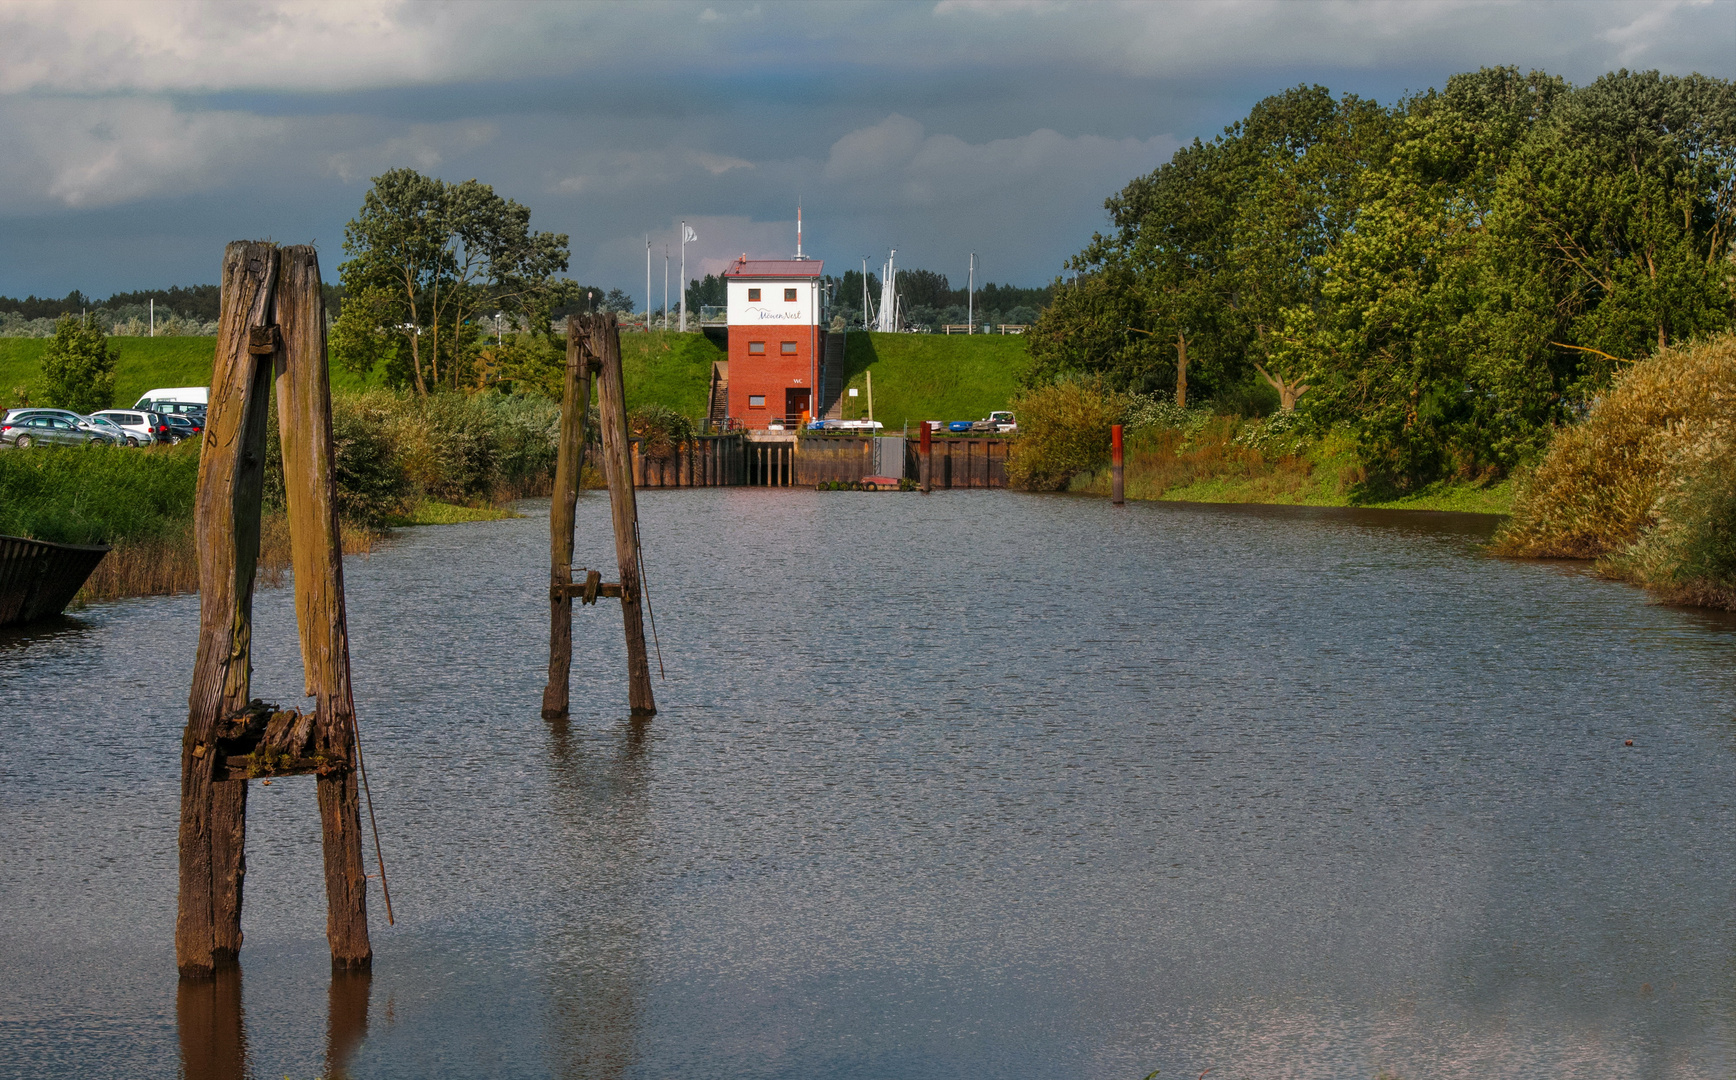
{"x": 140, "y": 427}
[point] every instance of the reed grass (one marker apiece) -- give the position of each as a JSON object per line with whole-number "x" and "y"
{"x": 1646, "y": 484}
{"x": 1601, "y": 482}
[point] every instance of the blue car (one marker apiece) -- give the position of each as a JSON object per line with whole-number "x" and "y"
{"x": 959, "y": 425}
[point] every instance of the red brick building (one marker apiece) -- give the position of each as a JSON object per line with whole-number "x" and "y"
{"x": 775, "y": 340}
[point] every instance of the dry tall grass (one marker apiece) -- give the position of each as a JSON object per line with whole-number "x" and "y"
{"x": 166, "y": 565}
{"x": 1602, "y": 483}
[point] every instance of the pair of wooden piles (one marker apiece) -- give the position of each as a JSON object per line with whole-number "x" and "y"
{"x": 271, "y": 328}
{"x": 594, "y": 353}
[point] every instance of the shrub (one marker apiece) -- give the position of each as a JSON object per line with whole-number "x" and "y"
{"x": 661, "y": 428}
{"x": 1690, "y": 555}
{"x": 78, "y": 367}
{"x": 1283, "y": 434}
{"x": 1159, "y": 411}
{"x": 372, "y": 487}
{"x": 1599, "y": 485}
{"x": 1063, "y": 431}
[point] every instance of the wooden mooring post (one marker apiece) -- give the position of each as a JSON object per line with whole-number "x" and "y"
{"x": 599, "y": 350}
{"x": 1115, "y": 488}
{"x": 569, "y": 462}
{"x": 272, "y": 321}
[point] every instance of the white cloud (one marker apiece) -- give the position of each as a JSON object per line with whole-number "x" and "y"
{"x": 614, "y": 171}
{"x": 422, "y": 147}
{"x": 896, "y": 160}
{"x": 1206, "y": 36}
{"x": 85, "y": 153}
{"x": 83, "y": 46}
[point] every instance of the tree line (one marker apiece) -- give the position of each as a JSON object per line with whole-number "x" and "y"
{"x": 1449, "y": 277}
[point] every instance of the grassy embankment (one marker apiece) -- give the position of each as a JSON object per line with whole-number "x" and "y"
{"x": 1208, "y": 465}
{"x": 669, "y": 368}
{"x": 400, "y": 461}
{"x": 145, "y": 364}
{"x": 933, "y": 377}
{"x": 921, "y": 377}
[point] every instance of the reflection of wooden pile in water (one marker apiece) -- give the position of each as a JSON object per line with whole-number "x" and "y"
{"x": 38, "y": 579}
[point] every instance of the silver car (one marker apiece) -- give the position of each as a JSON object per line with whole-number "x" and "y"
{"x": 46, "y": 428}
{"x": 141, "y": 427}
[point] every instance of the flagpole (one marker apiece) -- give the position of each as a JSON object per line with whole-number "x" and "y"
{"x": 682, "y": 283}
{"x": 970, "y": 297}
{"x": 665, "y": 286}
{"x": 647, "y": 281}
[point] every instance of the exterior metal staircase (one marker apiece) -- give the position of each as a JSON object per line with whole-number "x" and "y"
{"x": 832, "y": 378}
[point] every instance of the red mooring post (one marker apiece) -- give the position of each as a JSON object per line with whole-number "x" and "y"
{"x": 925, "y": 459}
{"x": 1116, "y": 492}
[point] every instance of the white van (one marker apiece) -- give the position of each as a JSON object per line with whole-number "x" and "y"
{"x": 176, "y": 399}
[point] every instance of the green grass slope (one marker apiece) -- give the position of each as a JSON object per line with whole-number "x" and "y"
{"x": 932, "y": 376}
{"x": 145, "y": 364}
{"x": 669, "y": 368}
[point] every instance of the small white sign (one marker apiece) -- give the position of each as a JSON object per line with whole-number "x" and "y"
{"x": 852, "y": 391}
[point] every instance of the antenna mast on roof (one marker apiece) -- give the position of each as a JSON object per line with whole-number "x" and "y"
{"x": 799, "y": 254}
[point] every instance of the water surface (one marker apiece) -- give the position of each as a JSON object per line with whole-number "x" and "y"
{"x": 977, "y": 784}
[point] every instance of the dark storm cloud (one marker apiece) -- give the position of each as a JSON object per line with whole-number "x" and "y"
{"x": 141, "y": 138}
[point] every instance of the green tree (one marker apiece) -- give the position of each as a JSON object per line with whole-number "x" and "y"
{"x": 1412, "y": 339}
{"x": 1210, "y": 249}
{"x": 437, "y": 255}
{"x": 364, "y": 340}
{"x": 78, "y": 368}
{"x": 1521, "y": 238}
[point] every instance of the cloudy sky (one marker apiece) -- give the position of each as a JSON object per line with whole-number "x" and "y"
{"x": 140, "y": 137}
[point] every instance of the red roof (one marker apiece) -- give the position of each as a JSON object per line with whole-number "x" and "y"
{"x": 745, "y": 267}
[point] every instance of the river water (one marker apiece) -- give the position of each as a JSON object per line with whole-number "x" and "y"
{"x": 977, "y": 784}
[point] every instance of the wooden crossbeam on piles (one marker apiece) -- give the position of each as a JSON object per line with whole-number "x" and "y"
{"x": 272, "y": 323}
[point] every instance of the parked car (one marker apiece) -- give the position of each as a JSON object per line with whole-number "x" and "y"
{"x": 112, "y": 430}
{"x": 31, "y": 410}
{"x": 142, "y": 428}
{"x": 174, "y": 399}
{"x": 78, "y": 420}
{"x": 174, "y": 408}
{"x": 182, "y": 427}
{"x": 997, "y": 421}
{"x": 50, "y": 429}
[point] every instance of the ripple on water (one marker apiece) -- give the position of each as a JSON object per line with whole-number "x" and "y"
{"x": 978, "y": 783}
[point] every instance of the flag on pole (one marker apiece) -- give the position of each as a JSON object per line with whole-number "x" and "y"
{"x": 688, "y": 236}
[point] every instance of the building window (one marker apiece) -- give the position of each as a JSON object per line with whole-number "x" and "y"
{"x": 756, "y": 401}
{"x": 753, "y": 294}
{"x": 757, "y": 348}
{"x": 789, "y": 294}
{"x": 788, "y": 348}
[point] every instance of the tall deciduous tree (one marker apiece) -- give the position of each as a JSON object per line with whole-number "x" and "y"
{"x": 1212, "y": 247}
{"x": 432, "y": 256}
{"x": 78, "y": 367}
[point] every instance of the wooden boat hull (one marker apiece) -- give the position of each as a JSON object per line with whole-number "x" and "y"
{"x": 38, "y": 579}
